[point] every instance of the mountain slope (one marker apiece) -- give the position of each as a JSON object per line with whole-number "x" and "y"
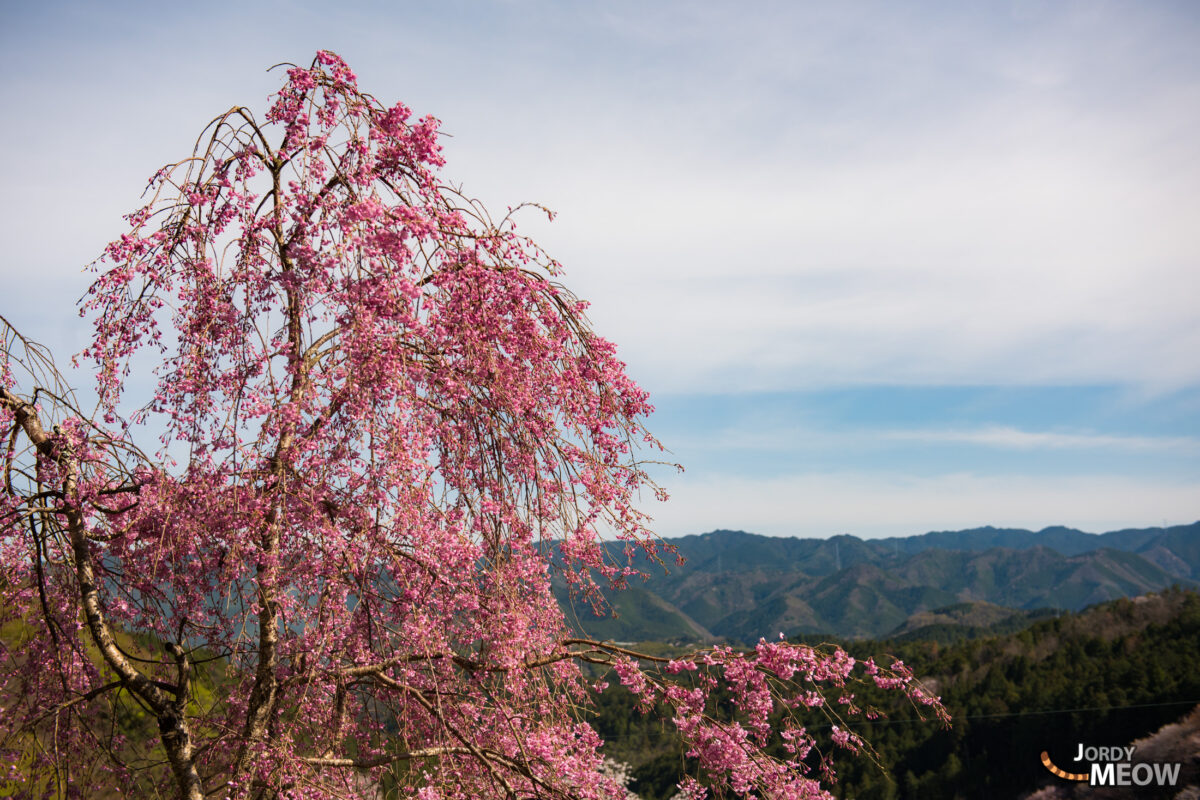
{"x": 741, "y": 586}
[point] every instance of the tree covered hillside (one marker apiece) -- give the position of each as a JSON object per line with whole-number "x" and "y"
{"x": 740, "y": 586}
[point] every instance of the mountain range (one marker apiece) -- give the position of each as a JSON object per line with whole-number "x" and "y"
{"x": 738, "y": 587}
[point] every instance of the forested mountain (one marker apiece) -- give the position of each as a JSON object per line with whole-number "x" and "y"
{"x": 740, "y": 586}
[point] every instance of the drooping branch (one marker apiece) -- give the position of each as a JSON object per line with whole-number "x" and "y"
{"x": 393, "y": 426}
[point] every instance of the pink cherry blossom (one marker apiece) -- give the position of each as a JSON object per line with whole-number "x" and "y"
{"x": 384, "y": 426}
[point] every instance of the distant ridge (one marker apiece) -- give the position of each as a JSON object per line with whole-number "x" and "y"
{"x": 740, "y": 586}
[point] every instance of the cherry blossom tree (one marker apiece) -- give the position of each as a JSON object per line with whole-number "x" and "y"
{"x": 384, "y": 426}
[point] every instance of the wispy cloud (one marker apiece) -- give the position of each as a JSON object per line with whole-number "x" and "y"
{"x": 988, "y": 215}
{"x": 872, "y": 504}
{"x": 782, "y": 197}
{"x": 785, "y": 439}
{"x": 1014, "y": 438}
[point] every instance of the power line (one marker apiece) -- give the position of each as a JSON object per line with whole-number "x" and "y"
{"x": 857, "y": 720}
{"x": 1036, "y": 713}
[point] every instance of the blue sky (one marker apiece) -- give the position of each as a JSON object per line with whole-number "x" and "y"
{"x": 884, "y": 268}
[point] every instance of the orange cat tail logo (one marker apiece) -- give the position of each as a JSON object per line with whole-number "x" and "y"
{"x": 1071, "y": 776}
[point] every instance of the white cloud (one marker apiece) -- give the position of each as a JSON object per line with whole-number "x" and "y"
{"x": 869, "y": 504}
{"x": 1013, "y": 438}
{"x": 798, "y": 439}
{"x": 950, "y": 267}
{"x": 1008, "y": 225}
{"x": 769, "y": 199}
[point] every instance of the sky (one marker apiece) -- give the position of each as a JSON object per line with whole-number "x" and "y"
{"x": 884, "y": 268}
